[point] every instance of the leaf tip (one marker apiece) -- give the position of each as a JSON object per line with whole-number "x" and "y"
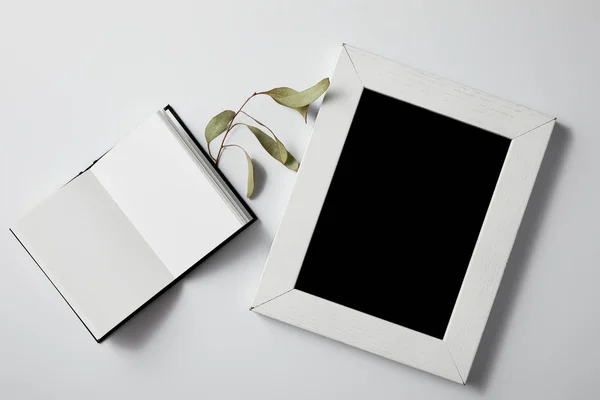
{"x": 250, "y": 189}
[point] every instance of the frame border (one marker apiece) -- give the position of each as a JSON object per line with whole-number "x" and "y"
{"x": 451, "y": 357}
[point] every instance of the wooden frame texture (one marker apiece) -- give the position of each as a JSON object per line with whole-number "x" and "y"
{"x": 451, "y": 357}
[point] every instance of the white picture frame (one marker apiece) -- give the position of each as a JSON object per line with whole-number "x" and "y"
{"x": 529, "y": 132}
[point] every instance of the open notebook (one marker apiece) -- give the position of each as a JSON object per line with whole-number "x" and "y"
{"x": 127, "y": 228}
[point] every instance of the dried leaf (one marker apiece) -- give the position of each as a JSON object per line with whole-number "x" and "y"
{"x": 284, "y": 92}
{"x": 291, "y": 162}
{"x": 299, "y": 99}
{"x": 217, "y": 125}
{"x": 282, "y": 150}
{"x": 283, "y": 153}
{"x": 272, "y": 146}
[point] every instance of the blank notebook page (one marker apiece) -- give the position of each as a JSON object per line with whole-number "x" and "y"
{"x": 161, "y": 189}
{"x": 92, "y": 254}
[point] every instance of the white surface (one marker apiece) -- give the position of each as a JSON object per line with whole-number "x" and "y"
{"x": 77, "y": 76}
{"x": 161, "y": 189}
{"x": 92, "y": 253}
{"x": 453, "y": 356}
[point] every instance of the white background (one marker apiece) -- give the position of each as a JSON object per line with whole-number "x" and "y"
{"x": 76, "y": 76}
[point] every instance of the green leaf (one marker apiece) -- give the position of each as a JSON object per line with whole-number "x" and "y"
{"x": 250, "y": 189}
{"x": 284, "y": 92}
{"x": 299, "y": 99}
{"x": 291, "y": 162}
{"x": 272, "y": 146}
{"x": 217, "y": 125}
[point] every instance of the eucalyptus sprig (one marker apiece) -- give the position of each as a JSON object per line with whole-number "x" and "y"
{"x": 285, "y": 96}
